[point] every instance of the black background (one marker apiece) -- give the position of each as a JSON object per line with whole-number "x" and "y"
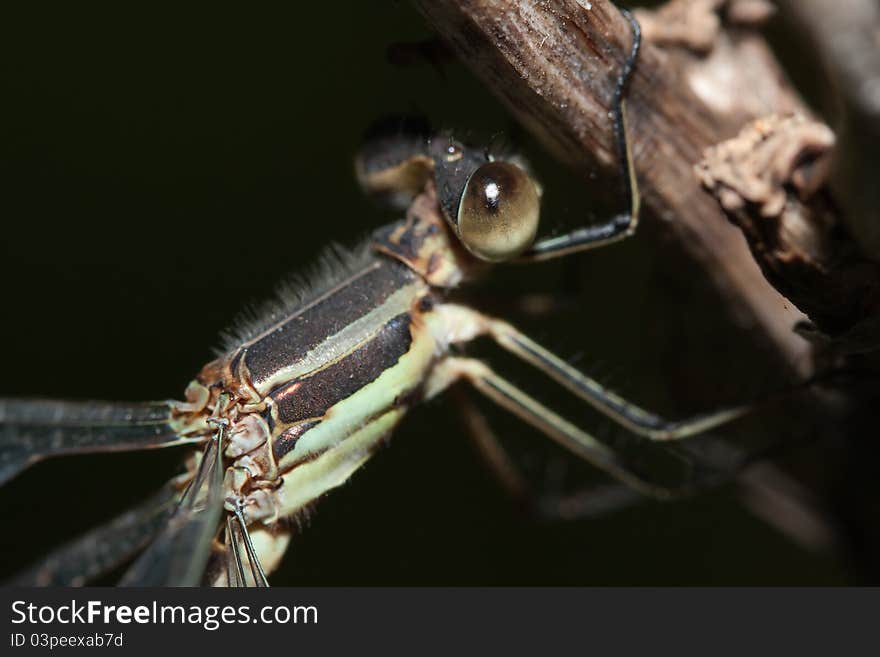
{"x": 162, "y": 168}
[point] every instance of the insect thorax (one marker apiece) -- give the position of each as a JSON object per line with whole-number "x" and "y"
{"x": 348, "y": 360}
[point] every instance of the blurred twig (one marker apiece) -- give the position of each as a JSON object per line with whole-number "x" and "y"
{"x": 845, "y": 36}
{"x": 848, "y": 34}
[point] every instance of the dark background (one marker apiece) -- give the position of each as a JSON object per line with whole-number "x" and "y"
{"x": 161, "y": 169}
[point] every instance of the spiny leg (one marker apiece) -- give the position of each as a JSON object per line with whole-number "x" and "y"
{"x": 463, "y": 324}
{"x": 770, "y": 494}
{"x": 569, "y": 436}
{"x": 587, "y": 502}
{"x": 622, "y": 225}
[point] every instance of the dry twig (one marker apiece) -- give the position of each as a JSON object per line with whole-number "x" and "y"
{"x": 554, "y": 64}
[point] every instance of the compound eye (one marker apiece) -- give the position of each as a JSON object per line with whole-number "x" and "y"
{"x": 499, "y": 212}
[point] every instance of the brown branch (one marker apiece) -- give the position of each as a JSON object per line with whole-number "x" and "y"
{"x": 554, "y": 64}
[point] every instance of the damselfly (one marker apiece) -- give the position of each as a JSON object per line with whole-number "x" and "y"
{"x": 304, "y": 395}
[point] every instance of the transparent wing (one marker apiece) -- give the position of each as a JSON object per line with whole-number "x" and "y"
{"x": 31, "y": 430}
{"x": 178, "y": 555}
{"x": 103, "y": 548}
{"x": 243, "y": 567}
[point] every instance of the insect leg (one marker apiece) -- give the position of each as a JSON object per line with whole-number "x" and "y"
{"x": 588, "y": 502}
{"x": 622, "y": 225}
{"x": 770, "y": 494}
{"x": 569, "y": 436}
{"x": 31, "y": 430}
{"x": 238, "y": 539}
{"x": 468, "y": 324}
{"x": 103, "y": 548}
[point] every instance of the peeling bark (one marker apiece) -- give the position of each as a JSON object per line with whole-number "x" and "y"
{"x": 770, "y": 180}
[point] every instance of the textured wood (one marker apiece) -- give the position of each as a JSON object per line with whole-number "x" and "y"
{"x": 554, "y": 65}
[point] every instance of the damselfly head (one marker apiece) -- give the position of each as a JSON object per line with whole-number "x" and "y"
{"x": 492, "y": 205}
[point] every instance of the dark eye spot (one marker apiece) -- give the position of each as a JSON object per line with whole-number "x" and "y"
{"x": 454, "y": 152}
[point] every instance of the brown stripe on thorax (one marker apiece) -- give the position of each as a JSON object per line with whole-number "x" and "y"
{"x": 297, "y": 406}
{"x": 305, "y": 340}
